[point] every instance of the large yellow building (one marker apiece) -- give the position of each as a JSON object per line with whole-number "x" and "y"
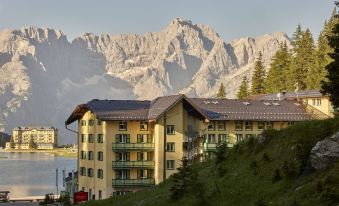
{"x": 126, "y": 145}
{"x": 33, "y": 138}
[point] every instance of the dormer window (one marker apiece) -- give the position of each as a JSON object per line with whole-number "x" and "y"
{"x": 143, "y": 126}
{"x": 122, "y": 125}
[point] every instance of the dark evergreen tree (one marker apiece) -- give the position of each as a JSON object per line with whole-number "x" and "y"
{"x": 182, "y": 180}
{"x": 297, "y": 36}
{"x": 331, "y": 86}
{"x": 277, "y": 78}
{"x": 258, "y": 78}
{"x": 221, "y": 92}
{"x": 303, "y": 60}
{"x": 243, "y": 92}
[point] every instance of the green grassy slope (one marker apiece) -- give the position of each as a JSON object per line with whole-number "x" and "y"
{"x": 247, "y": 175}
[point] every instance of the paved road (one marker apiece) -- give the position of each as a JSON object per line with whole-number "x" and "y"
{"x": 20, "y": 204}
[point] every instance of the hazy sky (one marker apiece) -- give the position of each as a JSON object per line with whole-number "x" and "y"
{"x": 230, "y": 18}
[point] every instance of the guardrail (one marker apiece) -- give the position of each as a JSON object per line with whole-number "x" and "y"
{"x": 132, "y": 164}
{"x": 133, "y": 146}
{"x": 133, "y": 182}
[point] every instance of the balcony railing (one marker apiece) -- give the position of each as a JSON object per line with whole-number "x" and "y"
{"x": 210, "y": 147}
{"x": 133, "y": 182}
{"x": 132, "y": 164}
{"x": 133, "y": 146}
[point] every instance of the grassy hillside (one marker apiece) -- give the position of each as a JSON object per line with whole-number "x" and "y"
{"x": 275, "y": 172}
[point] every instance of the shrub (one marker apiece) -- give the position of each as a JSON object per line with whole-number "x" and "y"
{"x": 276, "y": 176}
{"x": 265, "y": 157}
{"x": 289, "y": 169}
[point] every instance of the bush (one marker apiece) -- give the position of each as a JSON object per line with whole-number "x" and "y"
{"x": 276, "y": 176}
{"x": 289, "y": 169}
{"x": 265, "y": 157}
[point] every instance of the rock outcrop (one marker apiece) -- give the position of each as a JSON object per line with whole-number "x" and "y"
{"x": 325, "y": 152}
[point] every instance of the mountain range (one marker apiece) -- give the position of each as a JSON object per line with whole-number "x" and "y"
{"x": 43, "y": 75}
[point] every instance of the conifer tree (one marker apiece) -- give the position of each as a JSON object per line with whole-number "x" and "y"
{"x": 182, "y": 180}
{"x": 243, "y": 92}
{"x": 280, "y": 66}
{"x": 258, "y": 78}
{"x": 221, "y": 92}
{"x": 331, "y": 86}
{"x": 297, "y": 36}
{"x": 303, "y": 60}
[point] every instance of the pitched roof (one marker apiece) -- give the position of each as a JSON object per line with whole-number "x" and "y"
{"x": 234, "y": 109}
{"x": 212, "y": 109}
{"x": 288, "y": 95}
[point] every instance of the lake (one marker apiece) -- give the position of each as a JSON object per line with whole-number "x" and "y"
{"x": 30, "y": 174}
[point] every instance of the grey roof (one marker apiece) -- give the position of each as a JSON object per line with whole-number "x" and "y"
{"x": 289, "y": 95}
{"x": 212, "y": 109}
{"x": 234, "y": 109}
{"x": 41, "y": 128}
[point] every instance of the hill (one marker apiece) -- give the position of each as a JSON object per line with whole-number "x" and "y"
{"x": 274, "y": 170}
{"x": 4, "y": 138}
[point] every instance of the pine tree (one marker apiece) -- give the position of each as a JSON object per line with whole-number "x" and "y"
{"x": 182, "y": 180}
{"x": 280, "y": 66}
{"x": 221, "y": 92}
{"x": 297, "y": 36}
{"x": 258, "y": 78}
{"x": 331, "y": 86}
{"x": 243, "y": 92}
{"x": 303, "y": 60}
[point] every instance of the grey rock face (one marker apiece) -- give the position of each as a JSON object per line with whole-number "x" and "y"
{"x": 43, "y": 76}
{"x": 325, "y": 152}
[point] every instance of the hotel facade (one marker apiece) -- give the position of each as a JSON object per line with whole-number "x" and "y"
{"x": 127, "y": 145}
{"x": 41, "y": 138}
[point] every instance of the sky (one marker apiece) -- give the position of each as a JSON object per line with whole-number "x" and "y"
{"x": 230, "y": 18}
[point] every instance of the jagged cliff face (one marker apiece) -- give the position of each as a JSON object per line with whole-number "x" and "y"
{"x": 43, "y": 75}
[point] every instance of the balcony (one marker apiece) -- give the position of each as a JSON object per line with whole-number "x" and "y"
{"x": 132, "y": 164}
{"x": 133, "y": 182}
{"x": 133, "y": 146}
{"x": 210, "y": 147}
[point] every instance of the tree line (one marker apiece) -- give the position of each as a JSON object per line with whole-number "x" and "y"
{"x": 303, "y": 67}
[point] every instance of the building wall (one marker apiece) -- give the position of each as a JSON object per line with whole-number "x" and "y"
{"x": 43, "y": 138}
{"x": 320, "y": 103}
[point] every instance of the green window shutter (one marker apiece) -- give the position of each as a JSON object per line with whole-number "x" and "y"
{"x": 128, "y": 138}
{"x": 117, "y": 138}
{"x": 139, "y": 138}
{"x": 128, "y": 156}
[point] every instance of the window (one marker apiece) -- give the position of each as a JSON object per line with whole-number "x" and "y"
{"x": 170, "y": 164}
{"x": 170, "y": 129}
{"x": 122, "y": 125}
{"x": 170, "y": 147}
{"x": 122, "y": 138}
{"x": 223, "y": 138}
{"x": 238, "y": 125}
{"x": 120, "y": 193}
{"x": 90, "y": 172}
{"x": 141, "y": 173}
{"x": 149, "y": 138}
{"x": 83, "y": 155}
{"x": 82, "y": 171}
{"x": 99, "y": 122}
{"x": 150, "y": 173}
{"x": 122, "y": 174}
{"x": 269, "y": 125}
{"x": 318, "y": 102}
{"x": 100, "y": 138}
{"x": 90, "y": 138}
{"x": 122, "y": 156}
{"x": 290, "y": 123}
{"x": 239, "y": 137}
{"x": 100, "y": 156}
{"x": 248, "y": 126}
{"x": 249, "y": 136}
{"x": 91, "y": 122}
{"x": 140, "y": 156}
{"x": 211, "y": 138}
{"x": 211, "y": 126}
{"x": 221, "y": 126}
{"x": 83, "y": 123}
{"x": 100, "y": 174}
{"x": 143, "y": 126}
{"x": 313, "y": 102}
{"x": 83, "y": 138}
{"x": 261, "y": 125}
{"x": 150, "y": 156}
{"x": 90, "y": 155}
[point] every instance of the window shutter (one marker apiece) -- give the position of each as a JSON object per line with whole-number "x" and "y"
{"x": 117, "y": 139}
{"x": 127, "y": 156}
{"x": 128, "y": 138}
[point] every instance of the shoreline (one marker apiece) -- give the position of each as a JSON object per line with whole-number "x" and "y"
{"x": 56, "y": 152}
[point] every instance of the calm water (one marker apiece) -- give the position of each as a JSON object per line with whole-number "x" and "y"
{"x": 30, "y": 174}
